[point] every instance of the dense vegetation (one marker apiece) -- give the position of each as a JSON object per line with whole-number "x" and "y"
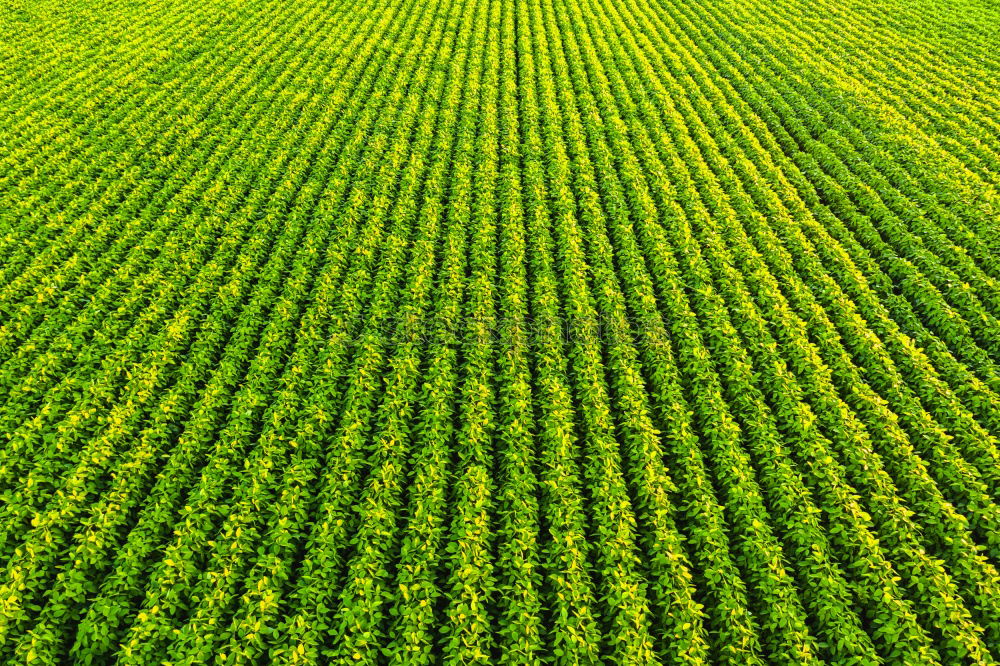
{"x": 500, "y": 331}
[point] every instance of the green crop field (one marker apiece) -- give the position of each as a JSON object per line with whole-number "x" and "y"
{"x": 500, "y": 332}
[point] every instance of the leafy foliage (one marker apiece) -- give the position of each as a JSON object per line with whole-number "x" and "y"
{"x": 500, "y": 331}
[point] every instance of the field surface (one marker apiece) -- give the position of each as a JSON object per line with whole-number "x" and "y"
{"x": 500, "y": 332}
